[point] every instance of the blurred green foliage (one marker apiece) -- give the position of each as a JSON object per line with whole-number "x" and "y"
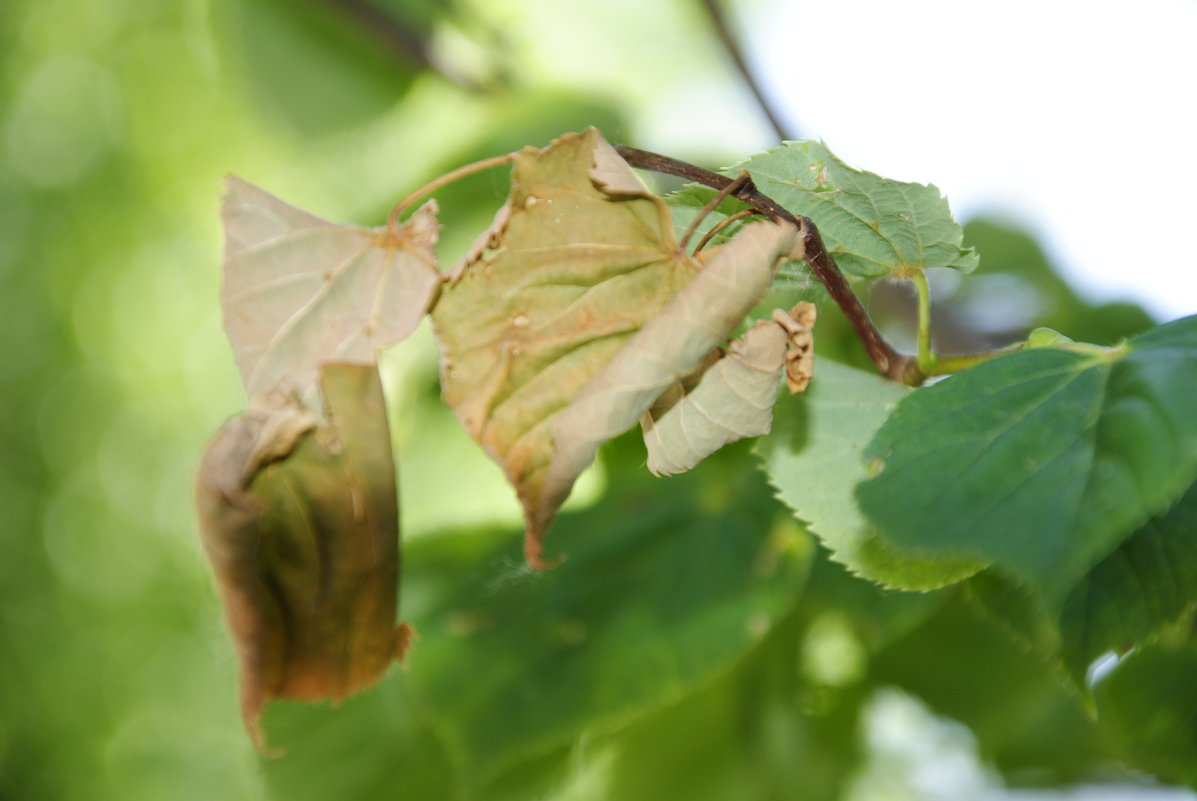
{"x": 695, "y": 645}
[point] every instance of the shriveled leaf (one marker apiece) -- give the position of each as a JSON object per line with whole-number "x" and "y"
{"x": 300, "y": 521}
{"x": 1042, "y": 461}
{"x": 814, "y": 459}
{"x": 729, "y": 398}
{"x": 299, "y": 290}
{"x": 873, "y": 226}
{"x": 562, "y": 334}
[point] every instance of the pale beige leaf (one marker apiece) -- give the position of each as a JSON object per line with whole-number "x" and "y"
{"x": 728, "y": 400}
{"x": 299, "y": 290}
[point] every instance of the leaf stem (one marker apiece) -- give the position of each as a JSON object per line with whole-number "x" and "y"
{"x": 926, "y": 356}
{"x": 945, "y": 365}
{"x": 740, "y": 181}
{"x": 889, "y": 362}
{"x": 724, "y": 223}
{"x": 443, "y": 180}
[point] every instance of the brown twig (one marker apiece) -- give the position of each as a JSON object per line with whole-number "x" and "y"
{"x": 400, "y": 40}
{"x": 889, "y": 362}
{"x": 723, "y": 30}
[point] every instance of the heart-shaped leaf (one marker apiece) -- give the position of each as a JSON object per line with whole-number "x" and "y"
{"x": 1042, "y": 461}
{"x": 563, "y": 332}
{"x": 299, "y": 291}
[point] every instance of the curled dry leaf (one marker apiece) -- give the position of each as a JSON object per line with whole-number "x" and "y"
{"x": 731, "y": 396}
{"x": 544, "y": 336}
{"x": 299, "y": 290}
{"x": 300, "y": 520}
{"x": 798, "y": 324}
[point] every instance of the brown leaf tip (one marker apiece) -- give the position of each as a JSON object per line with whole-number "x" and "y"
{"x": 798, "y": 323}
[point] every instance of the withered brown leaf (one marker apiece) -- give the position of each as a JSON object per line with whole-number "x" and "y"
{"x": 562, "y": 332}
{"x": 300, "y": 520}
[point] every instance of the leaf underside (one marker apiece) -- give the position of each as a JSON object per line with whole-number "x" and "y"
{"x": 814, "y": 457}
{"x": 874, "y": 227}
{"x": 299, "y": 291}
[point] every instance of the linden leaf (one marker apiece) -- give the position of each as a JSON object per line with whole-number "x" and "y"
{"x": 730, "y": 397}
{"x": 567, "y": 329}
{"x": 300, "y": 520}
{"x": 299, "y": 290}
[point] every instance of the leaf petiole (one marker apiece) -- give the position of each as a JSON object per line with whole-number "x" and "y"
{"x": 926, "y": 356}
{"x": 444, "y": 180}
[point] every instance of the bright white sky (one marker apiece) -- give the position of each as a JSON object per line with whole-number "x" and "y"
{"x": 1076, "y": 119}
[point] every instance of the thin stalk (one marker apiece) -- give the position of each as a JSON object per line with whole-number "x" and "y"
{"x": 444, "y": 180}
{"x": 728, "y": 40}
{"x": 711, "y": 205}
{"x": 945, "y": 365}
{"x": 926, "y": 357}
{"x": 722, "y": 224}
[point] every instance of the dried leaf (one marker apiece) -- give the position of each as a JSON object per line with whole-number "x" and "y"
{"x": 800, "y": 345}
{"x": 581, "y": 260}
{"x": 300, "y": 520}
{"x": 731, "y": 396}
{"x": 299, "y": 290}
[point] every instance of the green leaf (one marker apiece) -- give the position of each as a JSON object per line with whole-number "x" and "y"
{"x": 813, "y": 457}
{"x": 1143, "y": 589}
{"x": 1042, "y": 461}
{"x": 873, "y": 226}
{"x": 1147, "y": 585}
{"x": 1024, "y": 719}
{"x": 1147, "y": 706}
{"x": 666, "y": 584}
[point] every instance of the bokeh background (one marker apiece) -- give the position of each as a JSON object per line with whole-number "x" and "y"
{"x": 118, "y": 120}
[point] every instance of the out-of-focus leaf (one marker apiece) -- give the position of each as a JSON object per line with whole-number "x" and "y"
{"x": 1146, "y": 587}
{"x": 667, "y": 583}
{"x": 754, "y": 734}
{"x": 1041, "y": 461}
{"x": 300, "y": 521}
{"x": 1147, "y": 707}
{"x": 814, "y": 458}
{"x": 730, "y": 397}
{"x": 1025, "y": 720}
{"x": 873, "y": 226}
{"x": 318, "y": 69}
{"x": 1148, "y": 584}
{"x": 394, "y": 748}
{"x": 299, "y": 291}
{"x": 566, "y": 329}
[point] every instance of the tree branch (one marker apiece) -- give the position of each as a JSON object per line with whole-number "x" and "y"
{"x": 889, "y": 362}
{"x": 719, "y": 22}
{"x": 401, "y": 41}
